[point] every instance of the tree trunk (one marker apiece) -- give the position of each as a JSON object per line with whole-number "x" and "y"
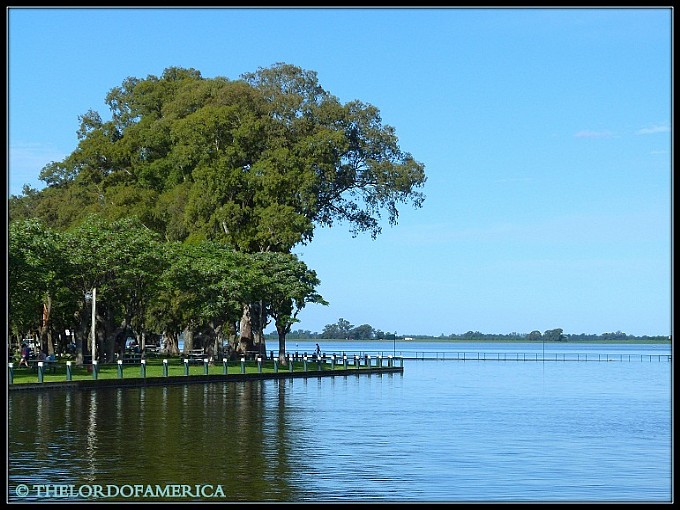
{"x": 106, "y": 338}
{"x": 259, "y": 317}
{"x": 282, "y": 345}
{"x": 215, "y": 346}
{"x": 119, "y": 338}
{"x": 172, "y": 346}
{"x": 245, "y": 345}
{"x": 44, "y": 331}
{"x": 252, "y": 340}
{"x": 232, "y": 340}
{"x": 188, "y": 339}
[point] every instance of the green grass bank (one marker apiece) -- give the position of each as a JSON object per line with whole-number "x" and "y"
{"x": 176, "y": 371}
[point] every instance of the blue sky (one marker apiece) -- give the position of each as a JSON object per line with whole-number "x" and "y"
{"x": 545, "y": 135}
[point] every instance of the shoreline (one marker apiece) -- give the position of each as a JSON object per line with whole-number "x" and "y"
{"x": 175, "y": 380}
{"x": 415, "y": 339}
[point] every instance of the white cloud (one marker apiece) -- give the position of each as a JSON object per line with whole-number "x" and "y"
{"x": 660, "y": 128}
{"x": 586, "y": 133}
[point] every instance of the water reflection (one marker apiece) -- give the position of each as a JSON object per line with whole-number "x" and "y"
{"x": 91, "y": 440}
{"x": 442, "y": 431}
{"x": 235, "y": 435}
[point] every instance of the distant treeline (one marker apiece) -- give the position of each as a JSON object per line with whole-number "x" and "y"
{"x": 344, "y": 330}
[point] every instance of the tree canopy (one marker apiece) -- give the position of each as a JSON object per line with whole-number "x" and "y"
{"x": 257, "y": 162}
{"x": 186, "y": 172}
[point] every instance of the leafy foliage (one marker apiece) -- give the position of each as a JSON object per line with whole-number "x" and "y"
{"x": 256, "y": 162}
{"x": 247, "y": 166}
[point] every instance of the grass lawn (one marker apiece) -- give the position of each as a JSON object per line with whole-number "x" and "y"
{"x": 154, "y": 368}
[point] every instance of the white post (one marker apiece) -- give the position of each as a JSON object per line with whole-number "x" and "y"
{"x": 94, "y": 329}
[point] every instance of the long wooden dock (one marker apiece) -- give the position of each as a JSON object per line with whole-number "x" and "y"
{"x": 533, "y": 356}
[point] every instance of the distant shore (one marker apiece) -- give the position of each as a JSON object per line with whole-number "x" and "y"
{"x": 630, "y": 341}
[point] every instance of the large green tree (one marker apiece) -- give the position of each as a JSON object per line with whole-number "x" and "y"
{"x": 287, "y": 286}
{"x": 257, "y": 162}
{"x": 341, "y": 329}
{"x": 123, "y": 260}
{"x": 263, "y": 159}
{"x": 208, "y": 282}
{"x": 39, "y": 271}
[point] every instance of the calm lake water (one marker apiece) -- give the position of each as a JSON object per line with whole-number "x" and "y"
{"x": 443, "y": 431}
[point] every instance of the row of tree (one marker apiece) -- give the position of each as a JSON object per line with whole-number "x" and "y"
{"x": 230, "y": 175}
{"x": 344, "y": 330}
{"x": 145, "y": 286}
